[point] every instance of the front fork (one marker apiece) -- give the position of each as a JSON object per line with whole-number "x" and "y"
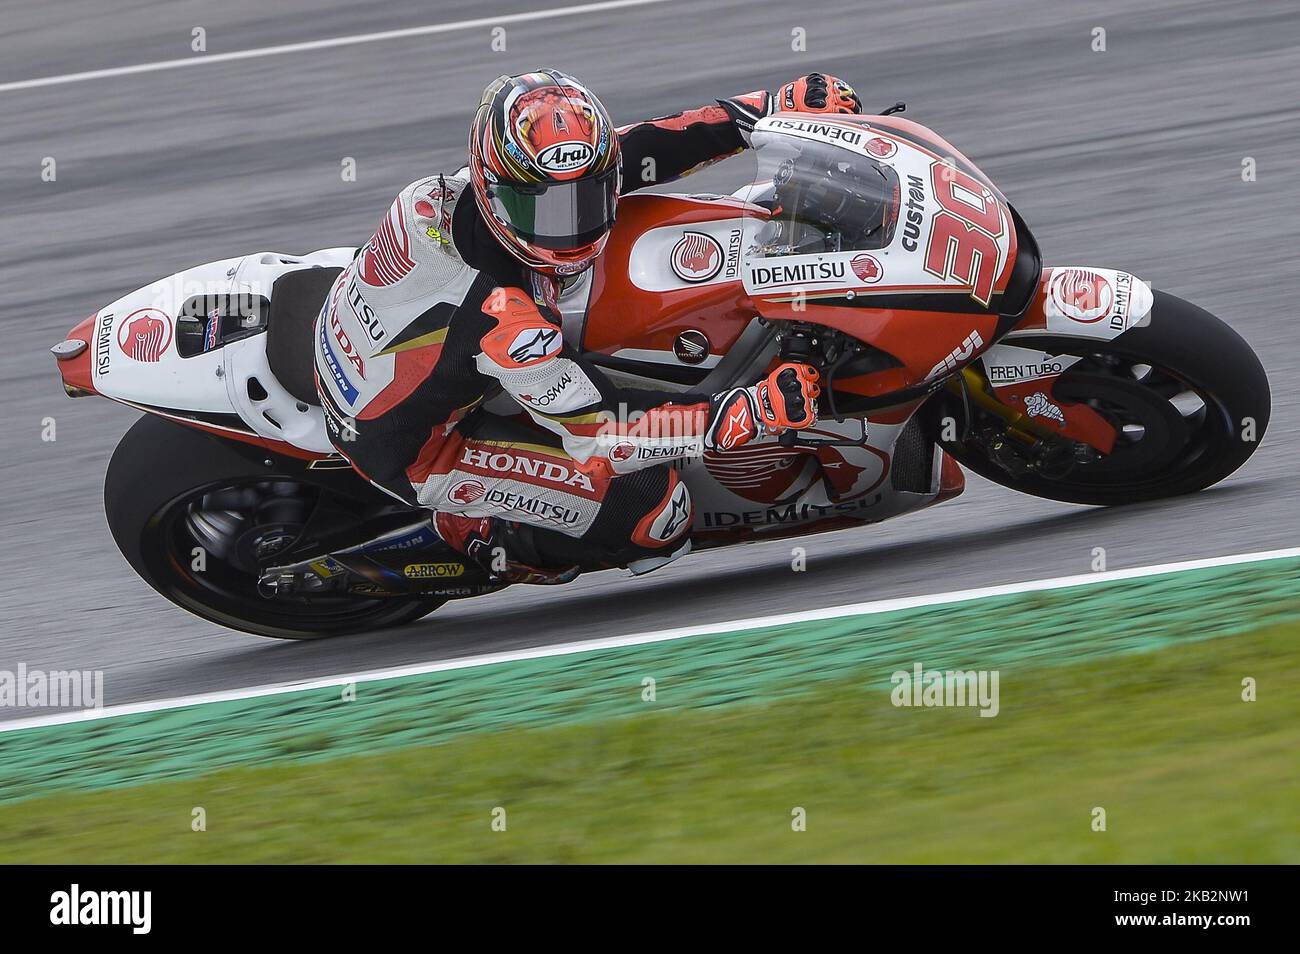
{"x": 1022, "y": 444}
{"x": 971, "y": 387}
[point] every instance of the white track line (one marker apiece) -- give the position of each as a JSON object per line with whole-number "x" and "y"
{"x": 657, "y": 636}
{"x": 201, "y": 58}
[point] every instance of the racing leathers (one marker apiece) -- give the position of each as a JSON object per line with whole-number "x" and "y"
{"x": 433, "y": 316}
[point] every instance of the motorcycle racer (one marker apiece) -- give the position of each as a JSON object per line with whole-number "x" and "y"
{"x": 454, "y": 299}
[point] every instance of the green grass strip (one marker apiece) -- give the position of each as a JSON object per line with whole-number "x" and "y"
{"x": 1046, "y": 628}
{"x": 1185, "y": 770}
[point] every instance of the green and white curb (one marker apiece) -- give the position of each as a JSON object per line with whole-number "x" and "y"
{"x": 1041, "y": 623}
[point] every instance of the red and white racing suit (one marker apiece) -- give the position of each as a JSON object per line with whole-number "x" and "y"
{"x": 412, "y": 341}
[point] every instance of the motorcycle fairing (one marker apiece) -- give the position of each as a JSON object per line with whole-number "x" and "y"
{"x": 134, "y": 356}
{"x": 1070, "y": 302}
{"x": 766, "y": 490}
{"x": 670, "y": 267}
{"x": 937, "y": 292}
{"x": 1085, "y": 302}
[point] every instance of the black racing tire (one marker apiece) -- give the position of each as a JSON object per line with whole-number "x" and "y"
{"x": 1188, "y": 351}
{"x": 157, "y": 472}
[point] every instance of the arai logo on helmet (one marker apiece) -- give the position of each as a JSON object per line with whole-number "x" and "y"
{"x": 566, "y": 156}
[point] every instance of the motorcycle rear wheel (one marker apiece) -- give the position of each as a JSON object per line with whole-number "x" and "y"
{"x": 194, "y": 514}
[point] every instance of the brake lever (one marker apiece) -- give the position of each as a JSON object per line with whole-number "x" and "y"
{"x": 791, "y": 438}
{"x": 898, "y": 107}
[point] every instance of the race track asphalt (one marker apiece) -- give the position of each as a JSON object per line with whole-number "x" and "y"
{"x": 1130, "y": 157}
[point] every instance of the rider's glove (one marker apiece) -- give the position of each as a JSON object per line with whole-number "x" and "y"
{"x": 817, "y": 93}
{"x": 786, "y": 398}
{"x": 814, "y": 93}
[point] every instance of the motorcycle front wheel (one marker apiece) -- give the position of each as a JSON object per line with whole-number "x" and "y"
{"x": 1187, "y": 396}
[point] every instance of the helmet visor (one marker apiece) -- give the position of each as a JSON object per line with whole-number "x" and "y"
{"x": 557, "y": 215}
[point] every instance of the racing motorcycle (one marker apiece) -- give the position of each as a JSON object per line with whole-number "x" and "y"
{"x": 866, "y": 245}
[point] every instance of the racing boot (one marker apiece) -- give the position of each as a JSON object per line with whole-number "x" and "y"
{"x": 503, "y": 549}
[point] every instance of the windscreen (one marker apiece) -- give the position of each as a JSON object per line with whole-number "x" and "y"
{"x": 821, "y": 197}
